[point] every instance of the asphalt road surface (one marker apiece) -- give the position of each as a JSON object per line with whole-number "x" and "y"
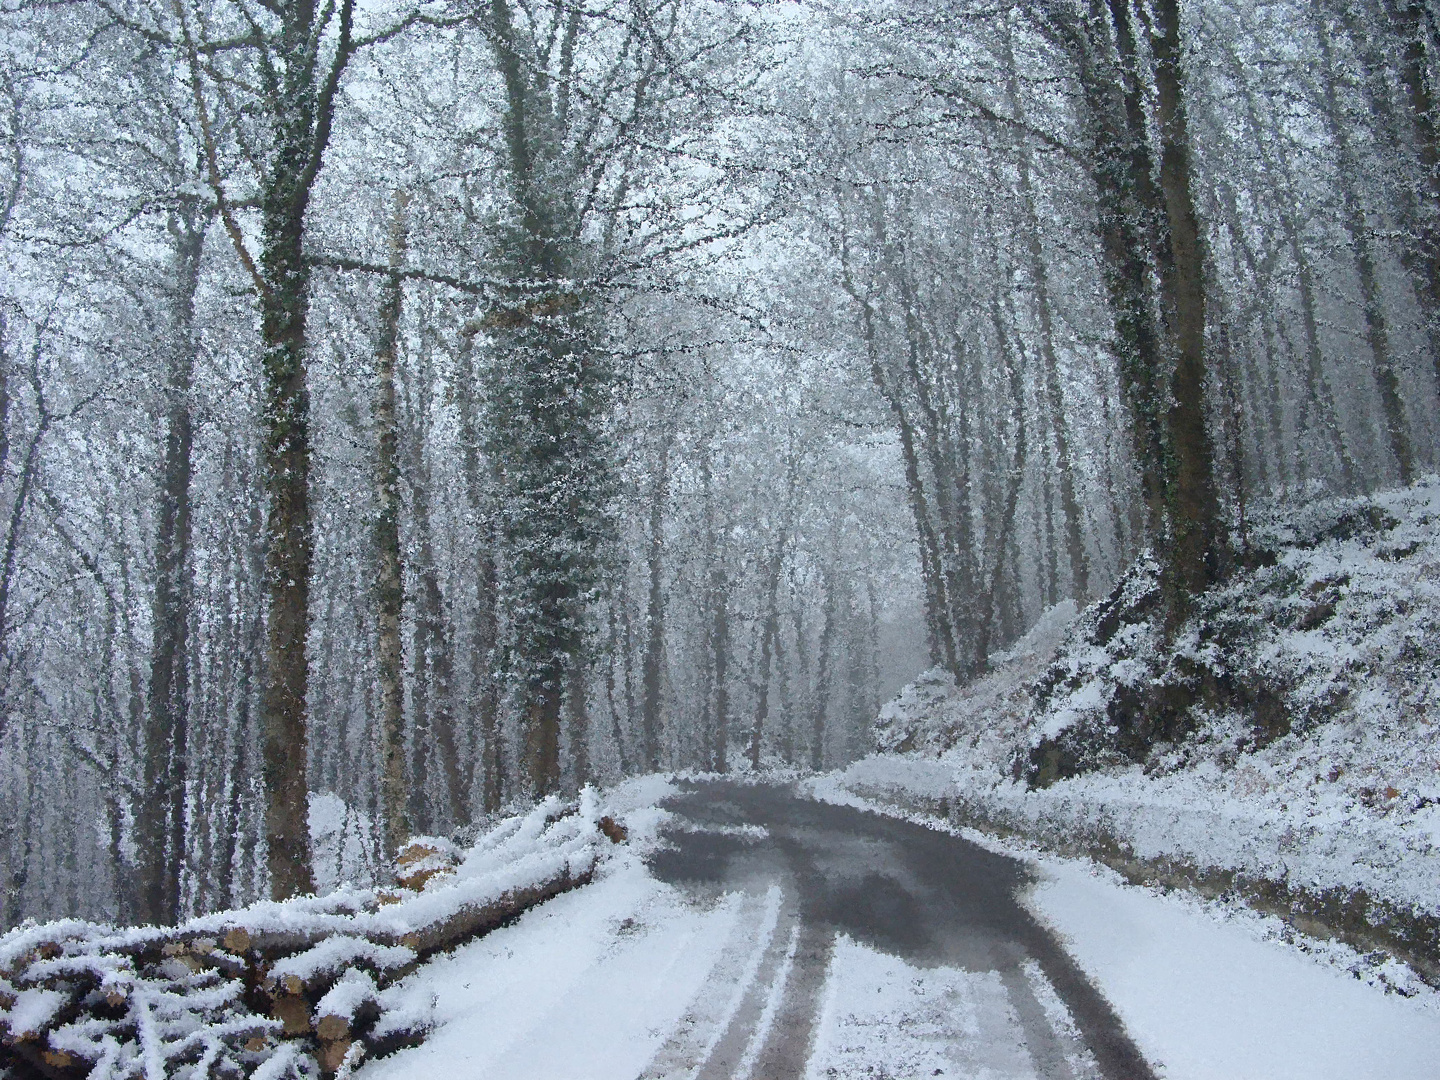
{"x": 983, "y": 990}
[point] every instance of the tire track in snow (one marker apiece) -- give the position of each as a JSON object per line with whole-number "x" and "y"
{"x": 713, "y": 1011}
{"x": 960, "y": 980}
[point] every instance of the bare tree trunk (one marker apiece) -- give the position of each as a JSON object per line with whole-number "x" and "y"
{"x": 1145, "y": 229}
{"x": 550, "y": 394}
{"x": 434, "y": 666}
{"x": 1054, "y": 394}
{"x": 390, "y": 571}
{"x": 160, "y": 823}
{"x": 483, "y": 685}
{"x": 800, "y": 701}
{"x": 1417, "y": 78}
{"x": 612, "y": 652}
{"x": 785, "y": 736}
{"x": 769, "y": 632}
{"x": 770, "y": 623}
{"x": 717, "y": 598}
{"x": 1015, "y": 477}
{"x": 1261, "y": 272}
{"x": 289, "y": 548}
{"x": 706, "y": 673}
{"x": 1198, "y": 544}
{"x": 948, "y": 456}
{"x": 244, "y": 639}
{"x": 546, "y": 695}
{"x": 627, "y": 651}
{"x": 1117, "y": 497}
{"x": 12, "y": 897}
{"x": 433, "y": 650}
{"x": 1395, "y": 35}
{"x": 1125, "y": 198}
{"x": 650, "y": 679}
{"x": 1049, "y": 557}
{"x": 487, "y": 640}
{"x": 18, "y": 510}
{"x": 831, "y": 613}
{"x": 872, "y": 649}
{"x": 1317, "y": 396}
{"x": 579, "y": 722}
{"x": 1377, "y": 333}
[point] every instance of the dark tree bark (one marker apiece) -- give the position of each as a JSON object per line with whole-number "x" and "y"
{"x": 160, "y": 833}
{"x": 1125, "y": 196}
{"x": 1004, "y": 529}
{"x": 390, "y": 570}
{"x": 300, "y": 58}
{"x": 1198, "y": 544}
{"x": 819, "y": 724}
{"x": 717, "y": 622}
{"x": 770, "y": 619}
{"x": 288, "y": 541}
{"x": 650, "y": 677}
{"x": 433, "y": 652}
{"x": 484, "y": 688}
{"x": 300, "y": 97}
{"x": 1150, "y": 232}
{"x": 487, "y": 639}
{"x": 1415, "y": 22}
{"x": 613, "y": 646}
{"x": 1357, "y": 228}
{"x": 579, "y": 723}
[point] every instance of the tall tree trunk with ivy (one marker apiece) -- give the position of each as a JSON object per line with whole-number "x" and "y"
{"x": 548, "y": 405}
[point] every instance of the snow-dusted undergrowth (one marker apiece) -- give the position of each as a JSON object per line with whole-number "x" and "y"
{"x": 1290, "y": 731}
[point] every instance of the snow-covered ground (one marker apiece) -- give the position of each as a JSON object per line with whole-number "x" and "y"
{"x": 1211, "y": 999}
{"x": 630, "y": 977}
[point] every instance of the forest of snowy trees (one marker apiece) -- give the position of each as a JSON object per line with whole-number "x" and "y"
{"x": 439, "y": 404}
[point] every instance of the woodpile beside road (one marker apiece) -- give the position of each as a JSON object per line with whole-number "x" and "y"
{"x": 260, "y": 990}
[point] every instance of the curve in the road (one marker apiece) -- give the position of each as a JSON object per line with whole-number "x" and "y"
{"x": 816, "y": 871}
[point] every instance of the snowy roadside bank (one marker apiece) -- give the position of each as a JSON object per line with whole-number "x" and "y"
{"x": 1282, "y": 747}
{"x": 1144, "y": 841}
{"x": 1209, "y": 990}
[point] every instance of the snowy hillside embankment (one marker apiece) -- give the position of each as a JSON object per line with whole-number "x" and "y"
{"x": 299, "y": 987}
{"x": 1283, "y": 746}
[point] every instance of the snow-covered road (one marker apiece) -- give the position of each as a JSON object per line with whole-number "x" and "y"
{"x": 781, "y": 937}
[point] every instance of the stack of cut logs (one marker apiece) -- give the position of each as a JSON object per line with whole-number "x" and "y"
{"x": 77, "y": 998}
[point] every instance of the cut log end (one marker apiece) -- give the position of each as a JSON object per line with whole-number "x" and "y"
{"x": 333, "y": 1053}
{"x": 293, "y": 1011}
{"x": 60, "y": 1059}
{"x": 616, "y": 832}
{"x": 333, "y": 1029}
